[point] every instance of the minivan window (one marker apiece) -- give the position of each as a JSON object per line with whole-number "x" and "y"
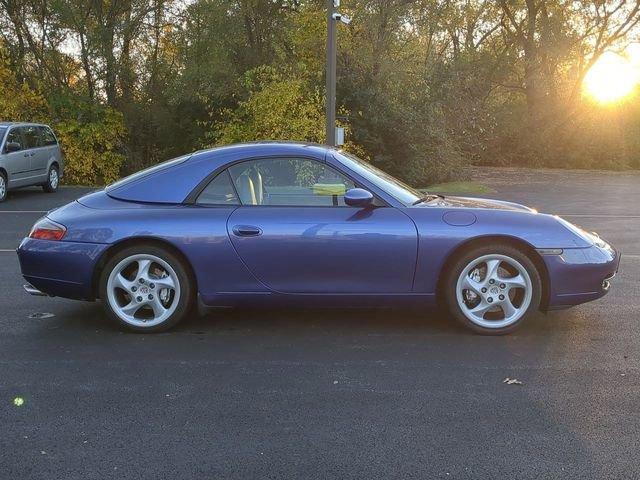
{"x": 31, "y": 136}
{"x": 3, "y": 130}
{"x": 48, "y": 138}
{"x": 14, "y": 137}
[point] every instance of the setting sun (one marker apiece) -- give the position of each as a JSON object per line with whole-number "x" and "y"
{"x": 611, "y": 78}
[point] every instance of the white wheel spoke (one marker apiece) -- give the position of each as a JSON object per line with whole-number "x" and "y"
{"x": 166, "y": 282}
{"x": 480, "y": 309}
{"x": 157, "y": 307}
{"x": 471, "y": 284}
{"x": 123, "y": 283}
{"x": 492, "y": 269}
{"x": 508, "y": 308}
{"x": 514, "y": 282}
{"x": 131, "y": 308}
{"x": 143, "y": 269}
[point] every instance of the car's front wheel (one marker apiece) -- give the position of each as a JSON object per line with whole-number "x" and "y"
{"x": 492, "y": 289}
{"x": 146, "y": 289}
{"x": 53, "y": 180}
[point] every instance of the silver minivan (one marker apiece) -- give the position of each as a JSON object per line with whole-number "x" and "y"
{"x": 29, "y": 155}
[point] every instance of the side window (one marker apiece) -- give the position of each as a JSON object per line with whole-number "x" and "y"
{"x": 289, "y": 181}
{"x": 14, "y": 137}
{"x": 31, "y": 136}
{"x": 48, "y": 138}
{"x": 219, "y": 192}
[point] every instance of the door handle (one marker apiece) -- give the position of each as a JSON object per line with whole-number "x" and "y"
{"x": 246, "y": 231}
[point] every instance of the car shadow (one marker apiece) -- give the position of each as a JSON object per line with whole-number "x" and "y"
{"x": 297, "y": 321}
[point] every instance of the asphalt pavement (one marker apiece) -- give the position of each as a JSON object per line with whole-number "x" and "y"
{"x": 329, "y": 393}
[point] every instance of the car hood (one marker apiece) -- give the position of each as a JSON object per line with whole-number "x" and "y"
{"x": 468, "y": 202}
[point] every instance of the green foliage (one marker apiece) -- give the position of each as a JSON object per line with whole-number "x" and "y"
{"x": 92, "y": 149}
{"x": 425, "y": 87}
{"x": 91, "y": 136}
{"x": 18, "y": 102}
{"x": 279, "y": 107}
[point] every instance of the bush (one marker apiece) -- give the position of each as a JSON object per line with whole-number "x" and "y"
{"x": 92, "y": 148}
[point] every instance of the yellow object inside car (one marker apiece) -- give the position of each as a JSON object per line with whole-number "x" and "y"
{"x": 329, "y": 189}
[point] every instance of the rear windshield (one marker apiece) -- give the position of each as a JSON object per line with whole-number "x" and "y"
{"x": 147, "y": 171}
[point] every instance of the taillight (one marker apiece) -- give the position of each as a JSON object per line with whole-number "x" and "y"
{"x": 46, "y": 229}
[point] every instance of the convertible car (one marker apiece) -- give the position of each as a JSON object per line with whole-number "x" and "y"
{"x": 266, "y": 223}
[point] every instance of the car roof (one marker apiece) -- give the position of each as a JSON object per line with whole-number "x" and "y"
{"x": 173, "y": 181}
{"x": 22, "y": 124}
{"x": 268, "y": 147}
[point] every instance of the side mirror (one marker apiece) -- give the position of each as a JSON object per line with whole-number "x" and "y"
{"x": 13, "y": 147}
{"x": 358, "y": 197}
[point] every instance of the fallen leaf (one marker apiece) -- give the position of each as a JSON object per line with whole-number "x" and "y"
{"x": 512, "y": 381}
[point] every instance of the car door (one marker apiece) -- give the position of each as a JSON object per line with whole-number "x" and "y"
{"x": 296, "y": 235}
{"x": 19, "y": 162}
{"x": 38, "y": 153}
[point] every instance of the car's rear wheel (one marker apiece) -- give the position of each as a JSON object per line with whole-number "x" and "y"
{"x": 146, "y": 289}
{"x": 493, "y": 289}
{"x": 3, "y": 187}
{"x": 53, "y": 180}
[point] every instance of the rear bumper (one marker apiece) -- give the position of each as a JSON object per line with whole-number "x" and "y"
{"x": 61, "y": 269}
{"x": 580, "y": 275}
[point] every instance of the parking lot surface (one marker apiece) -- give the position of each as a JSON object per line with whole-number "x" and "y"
{"x": 329, "y": 393}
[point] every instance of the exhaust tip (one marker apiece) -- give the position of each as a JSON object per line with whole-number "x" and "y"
{"x": 31, "y": 290}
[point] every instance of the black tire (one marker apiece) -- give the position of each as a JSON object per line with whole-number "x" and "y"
{"x": 4, "y": 187}
{"x": 456, "y": 268}
{"x": 186, "y": 298}
{"x": 49, "y": 187}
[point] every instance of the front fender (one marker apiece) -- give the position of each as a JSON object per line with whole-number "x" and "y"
{"x": 438, "y": 239}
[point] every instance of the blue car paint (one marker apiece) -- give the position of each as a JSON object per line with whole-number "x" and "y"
{"x": 313, "y": 255}
{"x": 329, "y": 250}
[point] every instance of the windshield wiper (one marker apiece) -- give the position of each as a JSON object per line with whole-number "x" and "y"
{"x": 428, "y": 198}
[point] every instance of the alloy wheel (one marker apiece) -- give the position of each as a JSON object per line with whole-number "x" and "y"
{"x": 494, "y": 291}
{"x": 143, "y": 290}
{"x": 53, "y": 178}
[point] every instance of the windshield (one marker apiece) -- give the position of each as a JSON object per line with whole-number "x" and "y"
{"x": 2, "y": 132}
{"x": 394, "y": 187}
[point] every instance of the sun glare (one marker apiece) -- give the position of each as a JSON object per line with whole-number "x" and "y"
{"x": 611, "y": 78}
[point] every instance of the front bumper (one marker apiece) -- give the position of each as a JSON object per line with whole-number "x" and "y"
{"x": 580, "y": 275}
{"x": 59, "y": 268}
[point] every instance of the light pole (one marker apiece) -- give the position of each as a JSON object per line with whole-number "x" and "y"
{"x": 332, "y": 18}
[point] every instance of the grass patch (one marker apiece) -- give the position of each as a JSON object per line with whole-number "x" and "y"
{"x": 458, "y": 187}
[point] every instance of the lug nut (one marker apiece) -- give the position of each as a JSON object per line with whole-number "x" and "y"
{"x": 492, "y": 281}
{"x": 502, "y": 285}
{"x": 150, "y": 297}
{"x": 134, "y": 288}
{"x": 501, "y": 297}
{"x": 142, "y": 280}
{"x": 139, "y": 299}
{"x": 484, "y": 290}
{"x": 490, "y": 299}
{"x": 152, "y": 285}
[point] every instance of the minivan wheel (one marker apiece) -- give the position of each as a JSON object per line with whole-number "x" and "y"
{"x": 3, "y": 187}
{"x": 53, "y": 179}
{"x": 146, "y": 289}
{"x": 492, "y": 289}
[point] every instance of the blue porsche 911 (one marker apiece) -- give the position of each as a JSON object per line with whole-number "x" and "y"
{"x": 287, "y": 223}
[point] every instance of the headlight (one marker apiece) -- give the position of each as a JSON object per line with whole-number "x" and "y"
{"x": 592, "y": 238}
